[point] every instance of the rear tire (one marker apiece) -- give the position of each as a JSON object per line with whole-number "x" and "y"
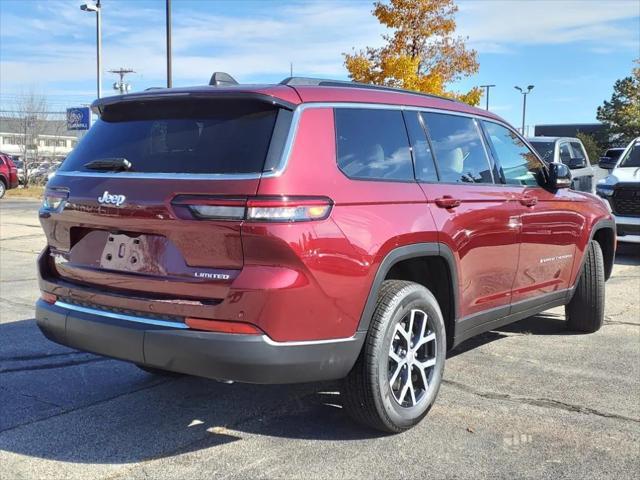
{"x": 585, "y": 311}
{"x": 3, "y": 188}
{"x": 396, "y": 378}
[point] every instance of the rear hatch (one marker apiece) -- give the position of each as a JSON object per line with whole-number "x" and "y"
{"x": 122, "y": 213}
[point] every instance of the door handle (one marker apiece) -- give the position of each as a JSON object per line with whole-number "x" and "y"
{"x": 447, "y": 201}
{"x": 528, "y": 201}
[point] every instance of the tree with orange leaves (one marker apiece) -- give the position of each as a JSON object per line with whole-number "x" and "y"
{"x": 422, "y": 52}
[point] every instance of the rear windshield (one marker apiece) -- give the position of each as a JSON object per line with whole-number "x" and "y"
{"x": 200, "y": 137}
{"x": 614, "y": 153}
{"x": 544, "y": 149}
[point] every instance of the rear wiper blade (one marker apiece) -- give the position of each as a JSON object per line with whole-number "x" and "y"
{"x": 116, "y": 164}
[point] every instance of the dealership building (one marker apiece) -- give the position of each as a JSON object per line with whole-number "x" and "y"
{"x": 51, "y": 141}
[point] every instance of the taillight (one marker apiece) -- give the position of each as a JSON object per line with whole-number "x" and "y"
{"x": 253, "y": 209}
{"x": 54, "y": 200}
{"x": 288, "y": 209}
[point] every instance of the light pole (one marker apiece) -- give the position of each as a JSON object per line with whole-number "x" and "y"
{"x": 524, "y": 102}
{"x": 169, "y": 73}
{"x": 487, "y": 87}
{"x": 96, "y": 7}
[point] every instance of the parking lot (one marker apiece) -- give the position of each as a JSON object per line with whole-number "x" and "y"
{"x": 528, "y": 401}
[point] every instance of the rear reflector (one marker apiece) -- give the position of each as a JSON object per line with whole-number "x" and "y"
{"x": 255, "y": 209}
{"x": 48, "y": 297}
{"x": 222, "y": 326}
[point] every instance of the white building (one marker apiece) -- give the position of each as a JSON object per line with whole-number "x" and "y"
{"x": 51, "y": 141}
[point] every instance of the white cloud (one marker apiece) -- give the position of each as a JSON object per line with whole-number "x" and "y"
{"x": 55, "y": 43}
{"x": 511, "y": 23}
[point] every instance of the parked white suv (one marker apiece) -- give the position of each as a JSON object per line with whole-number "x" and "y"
{"x": 621, "y": 190}
{"x": 572, "y": 153}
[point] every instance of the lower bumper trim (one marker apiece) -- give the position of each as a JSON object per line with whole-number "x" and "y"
{"x": 221, "y": 356}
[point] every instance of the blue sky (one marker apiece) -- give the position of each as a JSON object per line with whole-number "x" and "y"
{"x": 572, "y": 51}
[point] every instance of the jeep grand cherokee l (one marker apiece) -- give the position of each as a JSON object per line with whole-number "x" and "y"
{"x": 311, "y": 230}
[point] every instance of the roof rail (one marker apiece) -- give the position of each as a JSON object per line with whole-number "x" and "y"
{"x": 322, "y": 82}
{"x": 221, "y": 79}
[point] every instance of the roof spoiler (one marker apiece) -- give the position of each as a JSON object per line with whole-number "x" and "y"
{"x": 221, "y": 79}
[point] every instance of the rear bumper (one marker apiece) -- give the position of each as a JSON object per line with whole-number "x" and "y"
{"x": 242, "y": 358}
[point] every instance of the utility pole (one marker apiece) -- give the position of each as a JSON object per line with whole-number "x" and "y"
{"x": 121, "y": 86}
{"x": 97, "y": 8}
{"x": 169, "y": 72}
{"x": 524, "y": 102}
{"x": 291, "y": 69}
{"x": 487, "y": 87}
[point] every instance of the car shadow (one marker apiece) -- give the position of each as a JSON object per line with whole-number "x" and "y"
{"x": 63, "y": 405}
{"x": 545, "y": 323}
{"x": 627, "y": 254}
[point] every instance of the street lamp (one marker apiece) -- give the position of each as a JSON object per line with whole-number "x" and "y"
{"x": 96, "y": 7}
{"x": 487, "y": 87}
{"x": 524, "y": 102}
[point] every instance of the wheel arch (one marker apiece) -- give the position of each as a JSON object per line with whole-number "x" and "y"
{"x": 421, "y": 263}
{"x": 604, "y": 232}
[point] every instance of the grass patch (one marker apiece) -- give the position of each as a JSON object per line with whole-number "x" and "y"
{"x": 34, "y": 191}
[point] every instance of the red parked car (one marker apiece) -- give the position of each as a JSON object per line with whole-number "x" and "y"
{"x": 311, "y": 230}
{"x": 8, "y": 174}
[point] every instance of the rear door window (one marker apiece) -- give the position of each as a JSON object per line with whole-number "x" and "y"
{"x": 458, "y": 149}
{"x": 372, "y": 144}
{"x": 422, "y": 155}
{"x": 196, "y": 137}
{"x": 518, "y": 165}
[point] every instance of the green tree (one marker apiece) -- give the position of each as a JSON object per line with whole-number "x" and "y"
{"x": 594, "y": 150}
{"x": 621, "y": 114}
{"x": 422, "y": 53}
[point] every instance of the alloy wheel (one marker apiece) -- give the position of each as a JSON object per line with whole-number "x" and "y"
{"x": 412, "y": 358}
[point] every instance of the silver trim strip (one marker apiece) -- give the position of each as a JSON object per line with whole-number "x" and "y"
{"x": 165, "y": 323}
{"x": 120, "y": 316}
{"x": 166, "y": 176}
{"x": 307, "y": 342}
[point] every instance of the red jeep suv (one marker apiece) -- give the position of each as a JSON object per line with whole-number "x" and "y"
{"x": 311, "y": 230}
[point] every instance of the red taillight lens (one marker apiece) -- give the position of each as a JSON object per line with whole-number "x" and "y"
{"x": 50, "y": 298}
{"x": 222, "y": 326}
{"x": 254, "y": 209}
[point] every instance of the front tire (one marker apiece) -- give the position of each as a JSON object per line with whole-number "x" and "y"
{"x": 585, "y": 311}
{"x": 3, "y": 188}
{"x": 397, "y": 376}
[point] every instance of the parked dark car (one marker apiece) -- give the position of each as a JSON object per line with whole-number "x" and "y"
{"x": 610, "y": 158}
{"x": 311, "y": 230}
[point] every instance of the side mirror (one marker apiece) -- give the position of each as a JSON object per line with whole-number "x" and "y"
{"x": 559, "y": 176}
{"x": 607, "y": 163}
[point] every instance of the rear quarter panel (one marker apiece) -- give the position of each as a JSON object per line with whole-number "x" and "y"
{"x": 340, "y": 258}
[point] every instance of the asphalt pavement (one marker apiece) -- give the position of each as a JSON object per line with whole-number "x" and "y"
{"x": 530, "y": 400}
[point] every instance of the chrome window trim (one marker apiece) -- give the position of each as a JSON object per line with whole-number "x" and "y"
{"x": 119, "y": 316}
{"x": 299, "y": 110}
